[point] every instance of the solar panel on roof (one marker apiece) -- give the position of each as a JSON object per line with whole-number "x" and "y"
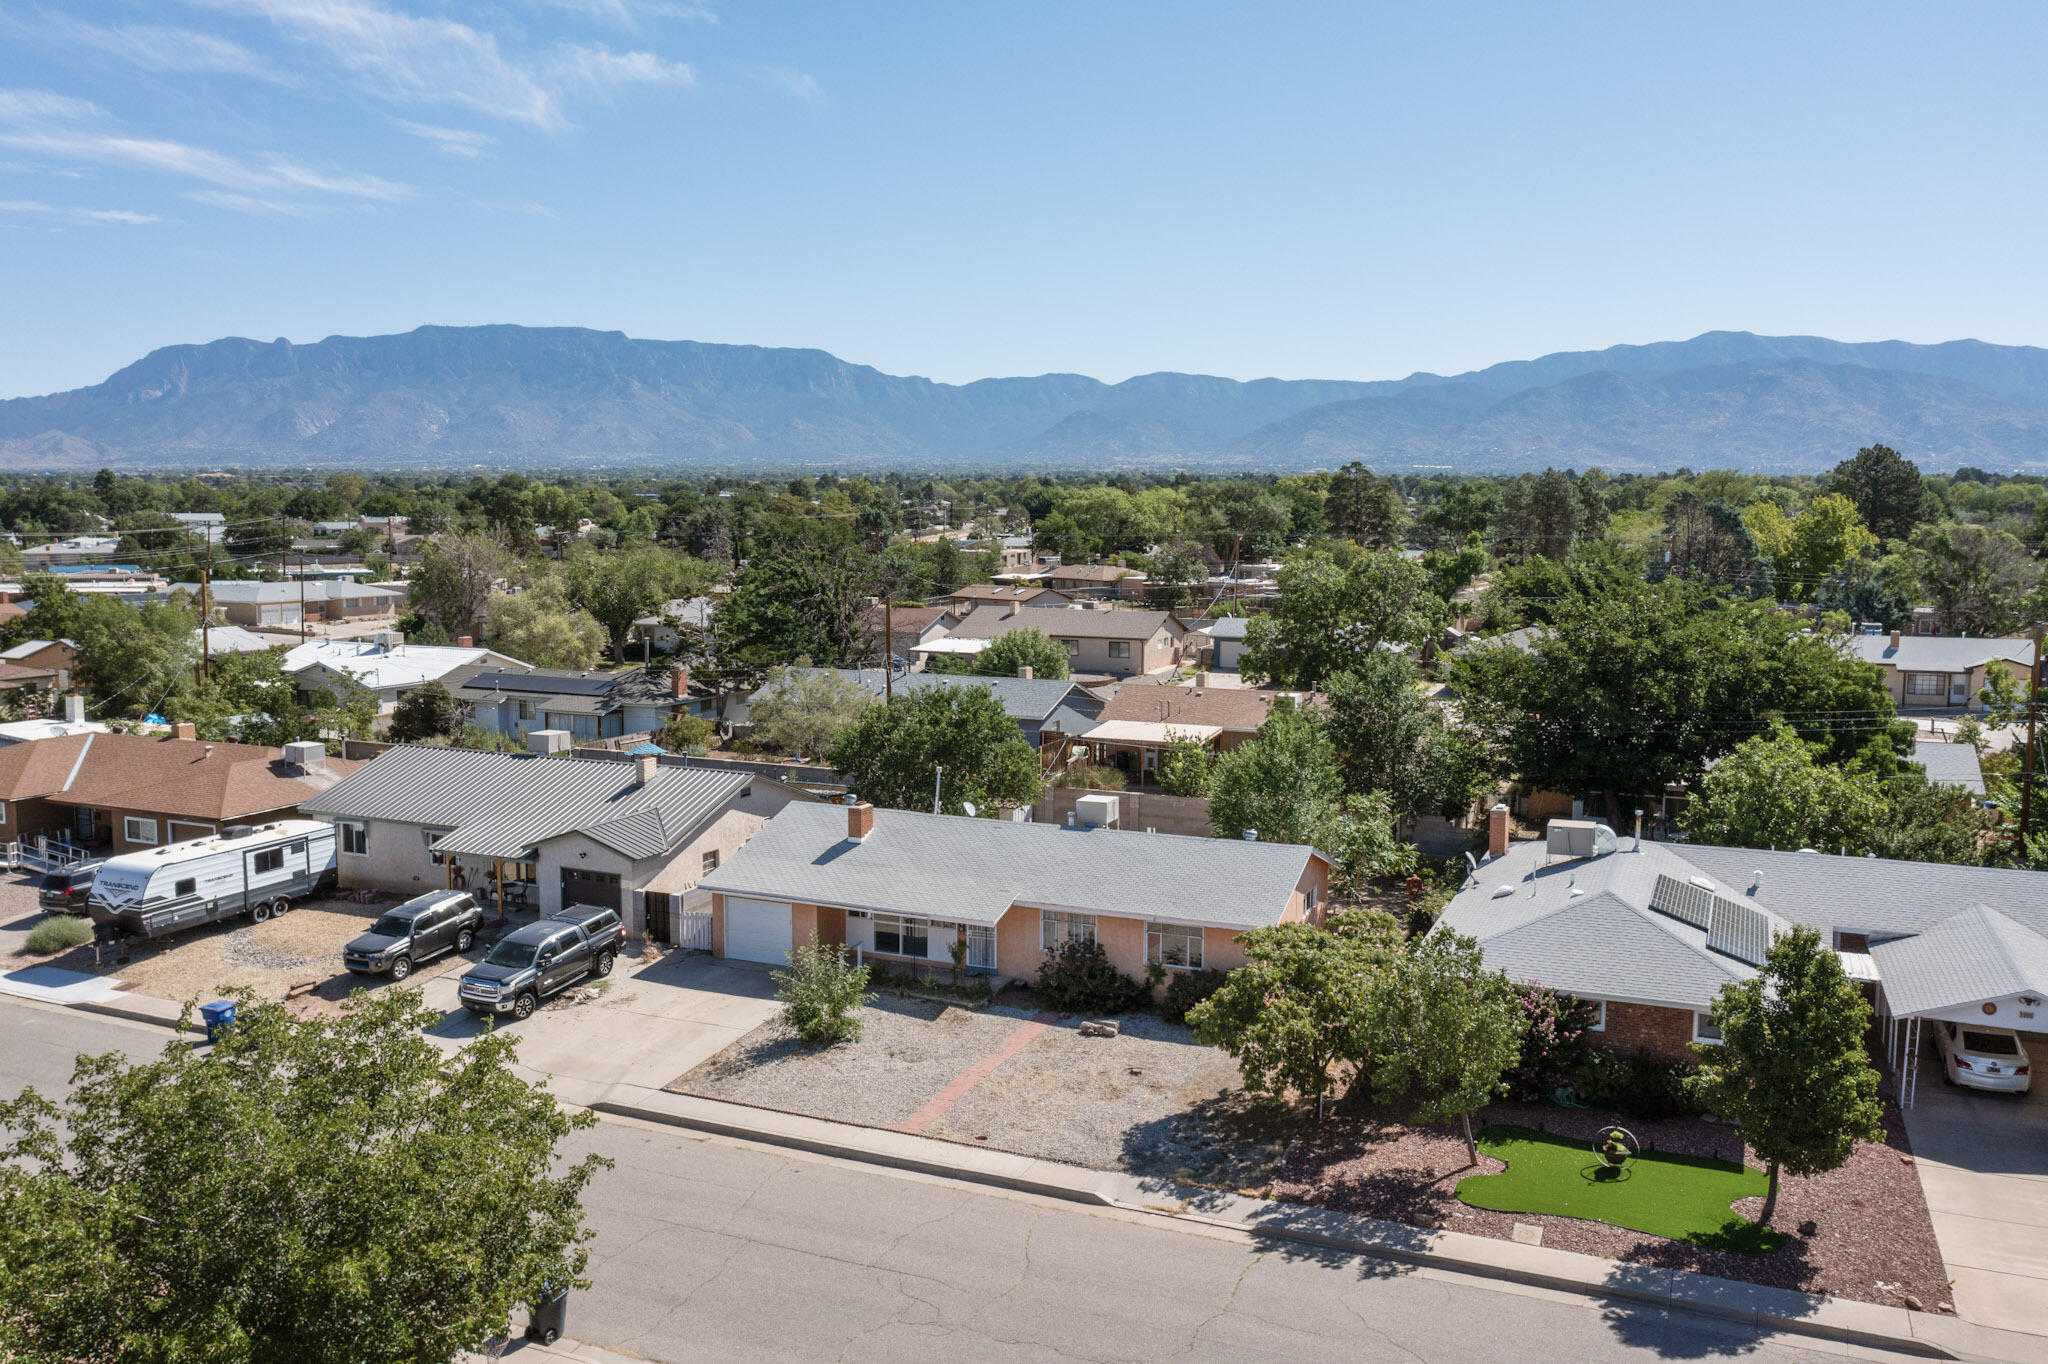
{"x": 1741, "y": 932}
{"x": 1682, "y": 901}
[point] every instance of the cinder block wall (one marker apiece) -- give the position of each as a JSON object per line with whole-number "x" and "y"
{"x": 1137, "y": 811}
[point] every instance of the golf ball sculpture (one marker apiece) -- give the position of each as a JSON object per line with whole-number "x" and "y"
{"x": 1616, "y": 1147}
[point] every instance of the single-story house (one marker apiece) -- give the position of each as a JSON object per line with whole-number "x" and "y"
{"x": 1089, "y": 580}
{"x": 1039, "y": 705}
{"x": 1144, "y": 717}
{"x": 1111, "y": 643}
{"x": 258, "y": 604}
{"x": 114, "y": 793}
{"x": 588, "y": 705}
{"x": 211, "y": 526}
{"x": 965, "y": 599}
{"x": 1941, "y": 671}
{"x": 386, "y": 665}
{"x": 632, "y": 834}
{"x": 233, "y": 639}
{"x": 662, "y": 628}
{"x": 59, "y": 655}
{"x": 909, "y": 626}
{"x": 76, "y": 549}
{"x": 1950, "y": 764}
{"x": 904, "y": 886}
{"x": 1227, "y": 637}
{"x": 1650, "y": 932}
{"x": 41, "y": 682}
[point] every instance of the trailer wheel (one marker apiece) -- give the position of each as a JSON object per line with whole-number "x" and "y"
{"x": 260, "y": 912}
{"x": 280, "y": 904}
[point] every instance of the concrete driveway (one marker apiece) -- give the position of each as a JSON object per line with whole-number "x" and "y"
{"x": 646, "y": 1029}
{"x": 1983, "y": 1163}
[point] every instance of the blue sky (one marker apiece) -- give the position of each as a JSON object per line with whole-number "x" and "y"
{"x": 962, "y": 190}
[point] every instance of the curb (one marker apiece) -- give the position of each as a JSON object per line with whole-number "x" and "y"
{"x": 124, "y": 1006}
{"x": 1870, "y": 1325}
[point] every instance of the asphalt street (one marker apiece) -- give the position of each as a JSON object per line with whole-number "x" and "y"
{"x": 708, "y": 1249}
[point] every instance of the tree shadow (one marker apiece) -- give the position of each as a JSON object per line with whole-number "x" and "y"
{"x": 1232, "y": 1142}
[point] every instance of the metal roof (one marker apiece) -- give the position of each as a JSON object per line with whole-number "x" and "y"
{"x": 503, "y": 804}
{"x": 1968, "y": 958}
{"x": 951, "y": 867}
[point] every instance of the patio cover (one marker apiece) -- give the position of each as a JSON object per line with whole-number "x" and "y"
{"x": 1147, "y": 732}
{"x": 949, "y": 645}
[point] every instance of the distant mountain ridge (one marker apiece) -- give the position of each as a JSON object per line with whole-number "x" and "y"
{"x": 508, "y": 396}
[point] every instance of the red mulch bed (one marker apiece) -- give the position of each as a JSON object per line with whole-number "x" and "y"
{"x": 1858, "y": 1232}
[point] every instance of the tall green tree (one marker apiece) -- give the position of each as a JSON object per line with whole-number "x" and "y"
{"x": 1365, "y": 507}
{"x": 454, "y": 580}
{"x": 1283, "y": 783}
{"x": 1978, "y": 579}
{"x": 425, "y": 713}
{"x": 618, "y": 587}
{"x": 805, "y": 595}
{"x": 1791, "y": 1071}
{"x": 327, "y": 1188}
{"x": 1335, "y": 607}
{"x": 542, "y": 627}
{"x": 802, "y": 710}
{"x": 1029, "y": 648}
{"x": 1886, "y": 489}
{"x": 1771, "y": 793}
{"x": 1297, "y": 1012}
{"x": 1390, "y": 738}
{"x": 957, "y": 744}
{"x": 1442, "y": 1032}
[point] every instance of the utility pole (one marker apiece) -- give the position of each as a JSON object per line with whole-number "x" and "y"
{"x": 888, "y": 648}
{"x": 2028, "y": 772}
{"x": 206, "y": 612}
{"x": 305, "y": 630}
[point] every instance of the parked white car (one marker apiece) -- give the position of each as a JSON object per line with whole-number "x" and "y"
{"x": 1982, "y": 1058}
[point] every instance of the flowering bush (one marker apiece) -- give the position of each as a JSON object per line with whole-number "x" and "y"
{"x": 1554, "y": 1042}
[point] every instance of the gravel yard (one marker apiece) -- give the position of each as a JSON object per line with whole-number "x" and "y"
{"x": 1135, "y": 1102}
{"x": 1862, "y": 1231}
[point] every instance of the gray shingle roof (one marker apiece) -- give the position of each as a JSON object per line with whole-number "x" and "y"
{"x": 1967, "y": 958}
{"x": 1950, "y": 764}
{"x": 1938, "y": 653}
{"x": 1024, "y": 698}
{"x": 953, "y": 868}
{"x": 502, "y": 804}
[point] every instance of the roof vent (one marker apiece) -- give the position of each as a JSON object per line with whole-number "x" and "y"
{"x": 1502, "y": 892}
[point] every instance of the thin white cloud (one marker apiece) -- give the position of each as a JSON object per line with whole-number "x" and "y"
{"x": 68, "y": 129}
{"x": 600, "y": 69}
{"x": 454, "y": 141}
{"x": 798, "y": 85}
{"x": 627, "y": 14}
{"x": 251, "y": 203}
{"x": 152, "y": 47}
{"x": 83, "y": 215}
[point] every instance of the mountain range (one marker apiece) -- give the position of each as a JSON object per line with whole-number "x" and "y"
{"x": 557, "y": 397}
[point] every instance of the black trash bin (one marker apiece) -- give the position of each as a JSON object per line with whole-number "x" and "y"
{"x": 548, "y": 1318}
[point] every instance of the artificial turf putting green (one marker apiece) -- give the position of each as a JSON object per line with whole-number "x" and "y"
{"x": 1685, "y": 1198}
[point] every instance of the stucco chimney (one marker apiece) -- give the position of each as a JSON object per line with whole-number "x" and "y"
{"x": 184, "y": 729}
{"x": 1895, "y": 639}
{"x": 1497, "y": 831}
{"x": 74, "y": 708}
{"x": 860, "y": 820}
{"x": 1025, "y": 672}
{"x": 645, "y": 766}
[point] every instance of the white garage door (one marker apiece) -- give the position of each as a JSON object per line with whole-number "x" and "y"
{"x": 757, "y": 930}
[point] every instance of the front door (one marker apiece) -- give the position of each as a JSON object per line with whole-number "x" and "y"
{"x": 1959, "y": 689}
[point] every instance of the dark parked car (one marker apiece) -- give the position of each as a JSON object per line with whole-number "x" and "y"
{"x": 542, "y": 959}
{"x": 417, "y": 931}
{"x": 67, "y": 889}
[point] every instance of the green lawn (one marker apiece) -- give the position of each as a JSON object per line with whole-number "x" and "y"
{"x": 1685, "y": 1198}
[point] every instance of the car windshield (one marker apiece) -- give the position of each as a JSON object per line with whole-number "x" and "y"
{"x": 1991, "y": 1044}
{"x": 509, "y": 953}
{"x": 392, "y": 926}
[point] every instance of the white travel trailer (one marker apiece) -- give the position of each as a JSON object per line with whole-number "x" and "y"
{"x": 256, "y": 870}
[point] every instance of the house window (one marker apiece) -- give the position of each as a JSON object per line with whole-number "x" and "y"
{"x": 525, "y": 709}
{"x": 1119, "y": 648}
{"x": 3, "y": 812}
{"x": 1308, "y": 900}
{"x": 1599, "y": 1023}
{"x": 139, "y": 830}
{"x": 355, "y": 838}
{"x": 188, "y": 886}
{"x": 1926, "y": 684}
{"x": 1073, "y": 645}
{"x": 1173, "y": 945}
{"x": 897, "y": 936}
{"x": 269, "y": 859}
{"x": 1057, "y": 929}
{"x": 710, "y": 862}
{"x": 1705, "y": 1029}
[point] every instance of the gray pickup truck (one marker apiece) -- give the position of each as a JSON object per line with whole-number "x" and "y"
{"x": 542, "y": 959}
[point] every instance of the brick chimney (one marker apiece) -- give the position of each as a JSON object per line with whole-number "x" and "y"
{"x": 184, "y": 729}
{"x": 860, "y": 820}
{"x": 1497, "y": 831}
{"x": 465, "y": 642}
{"x": 679, "y": 681}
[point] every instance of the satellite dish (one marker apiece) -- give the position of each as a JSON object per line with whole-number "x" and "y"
{"x": 968, "y": 806}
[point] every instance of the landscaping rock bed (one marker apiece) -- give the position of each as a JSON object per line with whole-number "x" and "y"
{"x": 1861, "y": 1232}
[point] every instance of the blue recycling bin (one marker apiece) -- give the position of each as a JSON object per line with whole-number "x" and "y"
{"x": 219, "y": 1016}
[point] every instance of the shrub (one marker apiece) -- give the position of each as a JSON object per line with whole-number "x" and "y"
{"x": 1078, "y": 979}
{"x": 59, "y": 933}
{"x": 1186, "y": 989}
{"x": 1639, "y": 1085}
{"x": 1554, "y": 1042}
{"x": 821, "y": 994}
{"x": 1090, "y": 777}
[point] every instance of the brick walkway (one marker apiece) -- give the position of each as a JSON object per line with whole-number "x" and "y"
{"x": 956, "y": 1088}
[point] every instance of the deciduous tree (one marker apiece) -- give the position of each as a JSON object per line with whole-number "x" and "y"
{"x": 957, "y": 743}
{"x": 801, "y": 710}
{"x": 1442, "y": 1032}
{"x": 1335, "y": 607}
{"x": 1771, "y": 793}
{"x": 1020, "y": 649}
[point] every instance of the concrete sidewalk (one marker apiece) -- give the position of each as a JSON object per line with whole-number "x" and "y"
{"x": 1869, "y": 1325}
